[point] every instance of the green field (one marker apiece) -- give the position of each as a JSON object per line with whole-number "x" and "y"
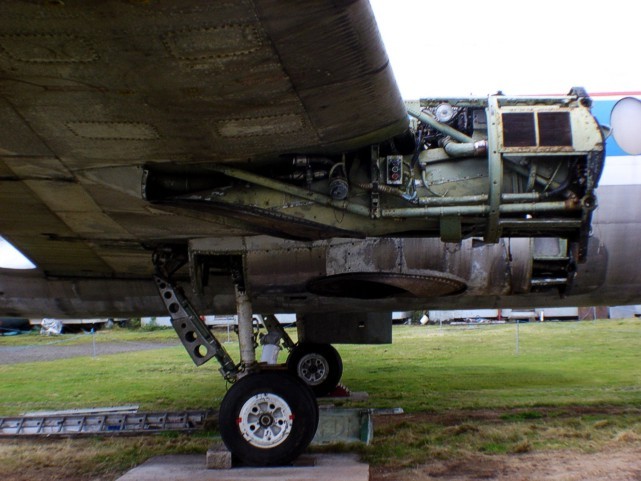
{"x": 463, "y": 368}
{"x": 466, "y": 389}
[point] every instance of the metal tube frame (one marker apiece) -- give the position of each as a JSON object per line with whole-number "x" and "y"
{"x": 292, "y": 190}
{"x": 445, "y": 129}
{"x": 452, "y": 205}
{"x": 461, "y": 210}
{"x": 478, "y": 199}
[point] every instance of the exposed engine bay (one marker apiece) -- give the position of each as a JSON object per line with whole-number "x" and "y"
{"x": 490, "y": 168}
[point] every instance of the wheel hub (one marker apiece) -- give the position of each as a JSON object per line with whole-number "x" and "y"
{"x": 265, "y": 420}
{"x": 313, "y": 369}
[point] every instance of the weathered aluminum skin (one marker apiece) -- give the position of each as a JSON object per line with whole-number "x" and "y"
{"x": 609, "y": 277}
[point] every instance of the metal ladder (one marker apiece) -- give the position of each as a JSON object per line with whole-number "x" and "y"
{"x": 101, "y": 423}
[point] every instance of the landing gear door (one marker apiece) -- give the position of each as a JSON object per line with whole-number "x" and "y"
{"x": 346, "y": 328}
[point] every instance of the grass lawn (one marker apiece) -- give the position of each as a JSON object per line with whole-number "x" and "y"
{"x": 466, "y": 390}
{"x": 478, "y": 367}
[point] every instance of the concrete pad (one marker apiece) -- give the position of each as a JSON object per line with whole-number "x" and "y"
{"x": 218, "y": 458}
{"x": 325, "y": 467}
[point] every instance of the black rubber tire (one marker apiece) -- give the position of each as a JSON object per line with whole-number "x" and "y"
{"x": 324, "y": 353}
{"x": 299, "y": 400}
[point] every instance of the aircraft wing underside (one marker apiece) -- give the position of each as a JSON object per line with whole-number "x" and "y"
{"x": 264, "y": 144}
{"x": 92, "y": 92}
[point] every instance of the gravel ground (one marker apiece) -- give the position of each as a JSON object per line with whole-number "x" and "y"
{"x": 35, "y": 353}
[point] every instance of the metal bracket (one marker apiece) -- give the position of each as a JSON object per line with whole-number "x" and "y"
{"x": 272, "y": 325}
{"x": 200, "y": 343}
{"x": 451, "y": 229}
{"x": 495, "y": 171}
{"x": 375, "y": 176}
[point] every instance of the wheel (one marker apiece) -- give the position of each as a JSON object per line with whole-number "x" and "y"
{"x": 268, "y": 419}
{"x": 318, "y": 365}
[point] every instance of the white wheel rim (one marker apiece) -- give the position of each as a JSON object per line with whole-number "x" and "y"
{"x": 313, "y": 369}
{"x": 265, "y": 420}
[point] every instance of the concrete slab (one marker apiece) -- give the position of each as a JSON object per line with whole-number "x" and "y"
{"x": 218, "y": 458}
{"x": 325, "y": 467}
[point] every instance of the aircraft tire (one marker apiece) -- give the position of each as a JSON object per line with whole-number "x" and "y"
{"x": 319, "y": 365}
{"x": 268, "y": 419}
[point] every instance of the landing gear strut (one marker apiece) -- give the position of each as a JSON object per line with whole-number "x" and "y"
{"x": 266, "y": 418}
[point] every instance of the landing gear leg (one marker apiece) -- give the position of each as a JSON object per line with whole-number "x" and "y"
{"x": 266, "y": 418}
{"x": 245, "y": 330}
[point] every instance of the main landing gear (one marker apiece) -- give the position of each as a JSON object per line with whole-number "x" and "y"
{"x": 268, "y": 417}
{"x": 318, "y": 365}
